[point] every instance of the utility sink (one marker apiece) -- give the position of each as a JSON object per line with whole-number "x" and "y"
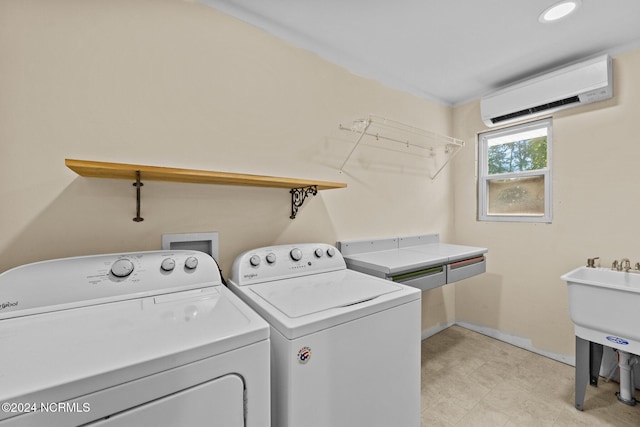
{"x": 605, "y": 306}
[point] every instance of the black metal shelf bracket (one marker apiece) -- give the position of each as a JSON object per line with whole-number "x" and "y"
{"x": 298, "y": 196}
{"x": 138, "y": 184}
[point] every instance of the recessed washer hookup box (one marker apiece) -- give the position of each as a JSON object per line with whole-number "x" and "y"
{"x": 206, "y": 242}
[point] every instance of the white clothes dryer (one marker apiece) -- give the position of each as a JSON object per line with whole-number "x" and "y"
{"x": 144, "y": 339}
{"x": 345, "y": 345}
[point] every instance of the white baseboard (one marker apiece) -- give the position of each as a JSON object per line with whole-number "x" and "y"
{"x": 432, "y": 331}
{"x": 501, "y": 336}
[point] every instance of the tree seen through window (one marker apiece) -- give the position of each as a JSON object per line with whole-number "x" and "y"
{"x": 518, "y": 156}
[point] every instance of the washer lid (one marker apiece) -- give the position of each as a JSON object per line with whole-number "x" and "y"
{"x": 316, "y": 293}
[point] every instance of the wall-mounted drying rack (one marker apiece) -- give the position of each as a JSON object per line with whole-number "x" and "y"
{"x": 439, "y": 148}
{"x": 300, "y": 189}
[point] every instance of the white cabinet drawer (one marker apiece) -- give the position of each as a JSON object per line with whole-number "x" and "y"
{"x": 424, "y": 279}
{"x": 460, "y": 270}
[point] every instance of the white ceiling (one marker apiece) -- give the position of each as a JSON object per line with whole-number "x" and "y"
{"x": 450, "y": 51}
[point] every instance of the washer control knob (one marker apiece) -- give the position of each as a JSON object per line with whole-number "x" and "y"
{"x": 254, "y": 260}
{"x": 168, "y": 264}
{"x": 331, "y": 252}
{"x": 296, "y": 254}
{"x": 122, "y": 268}
{"x": 271, "y": 257}
{"x": 191, "y": 263}
{"x": 318, "y": 252}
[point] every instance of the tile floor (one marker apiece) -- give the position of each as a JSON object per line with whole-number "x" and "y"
{"x": 469, "y": 380}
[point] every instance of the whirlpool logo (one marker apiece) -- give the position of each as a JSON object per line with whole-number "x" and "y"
{"x": 8, "y": 304}
{"x": 304, "y": 355}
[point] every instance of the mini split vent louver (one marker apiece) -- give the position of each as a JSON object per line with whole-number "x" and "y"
{"x": 578, "y": 84}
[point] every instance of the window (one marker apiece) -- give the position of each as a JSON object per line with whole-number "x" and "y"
{"x": 514, "y": 182}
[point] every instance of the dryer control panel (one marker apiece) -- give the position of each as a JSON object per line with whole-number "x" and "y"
{"x": 82, "y": 281}
{"x": 285, "y": 261}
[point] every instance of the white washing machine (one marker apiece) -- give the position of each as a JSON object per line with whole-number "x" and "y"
{"x": 345, "y": 346}
{"x": 144, "y": 339}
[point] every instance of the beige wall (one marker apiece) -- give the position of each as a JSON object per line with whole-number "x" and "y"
{"x": 174, "y": 83}
{"x": 596, "y": 206}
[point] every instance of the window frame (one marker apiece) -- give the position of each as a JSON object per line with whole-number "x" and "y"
{"x": 484, "y": 178}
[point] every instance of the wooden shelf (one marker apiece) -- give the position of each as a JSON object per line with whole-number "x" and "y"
{"x": 91, "y": 169}
{"x": 299, "y": 188}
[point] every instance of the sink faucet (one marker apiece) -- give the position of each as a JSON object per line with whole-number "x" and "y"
{"x": 624, "y": 264}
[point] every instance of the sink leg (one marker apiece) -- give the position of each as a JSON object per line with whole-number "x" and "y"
{"x": 595, "y": 360}
{"x": 588, "y": 360}
{"x": 582, "y": 370}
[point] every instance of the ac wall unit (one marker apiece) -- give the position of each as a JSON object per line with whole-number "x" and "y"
{"x": 578, "y": 84}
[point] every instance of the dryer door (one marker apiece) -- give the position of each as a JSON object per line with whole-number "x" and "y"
{"x": 218, "y": 402}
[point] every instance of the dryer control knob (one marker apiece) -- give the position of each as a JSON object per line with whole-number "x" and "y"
{"x": 254, "y": 260}
{"x": 331, "y": 252}
{"x": 191, "y": 262}
{"x": 271, "y": 257}
{"x": 318, "y": 252}
{"x": 122, "y": 268}
{"x": 168, "y": 264}
{"x": 296, "y": 254}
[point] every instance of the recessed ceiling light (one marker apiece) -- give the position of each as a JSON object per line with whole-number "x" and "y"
{"x": 559, "y": 11}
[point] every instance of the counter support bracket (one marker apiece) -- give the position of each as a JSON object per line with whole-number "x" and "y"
{"x": 138, "y": 184}
{"x": 298, "y": 196}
